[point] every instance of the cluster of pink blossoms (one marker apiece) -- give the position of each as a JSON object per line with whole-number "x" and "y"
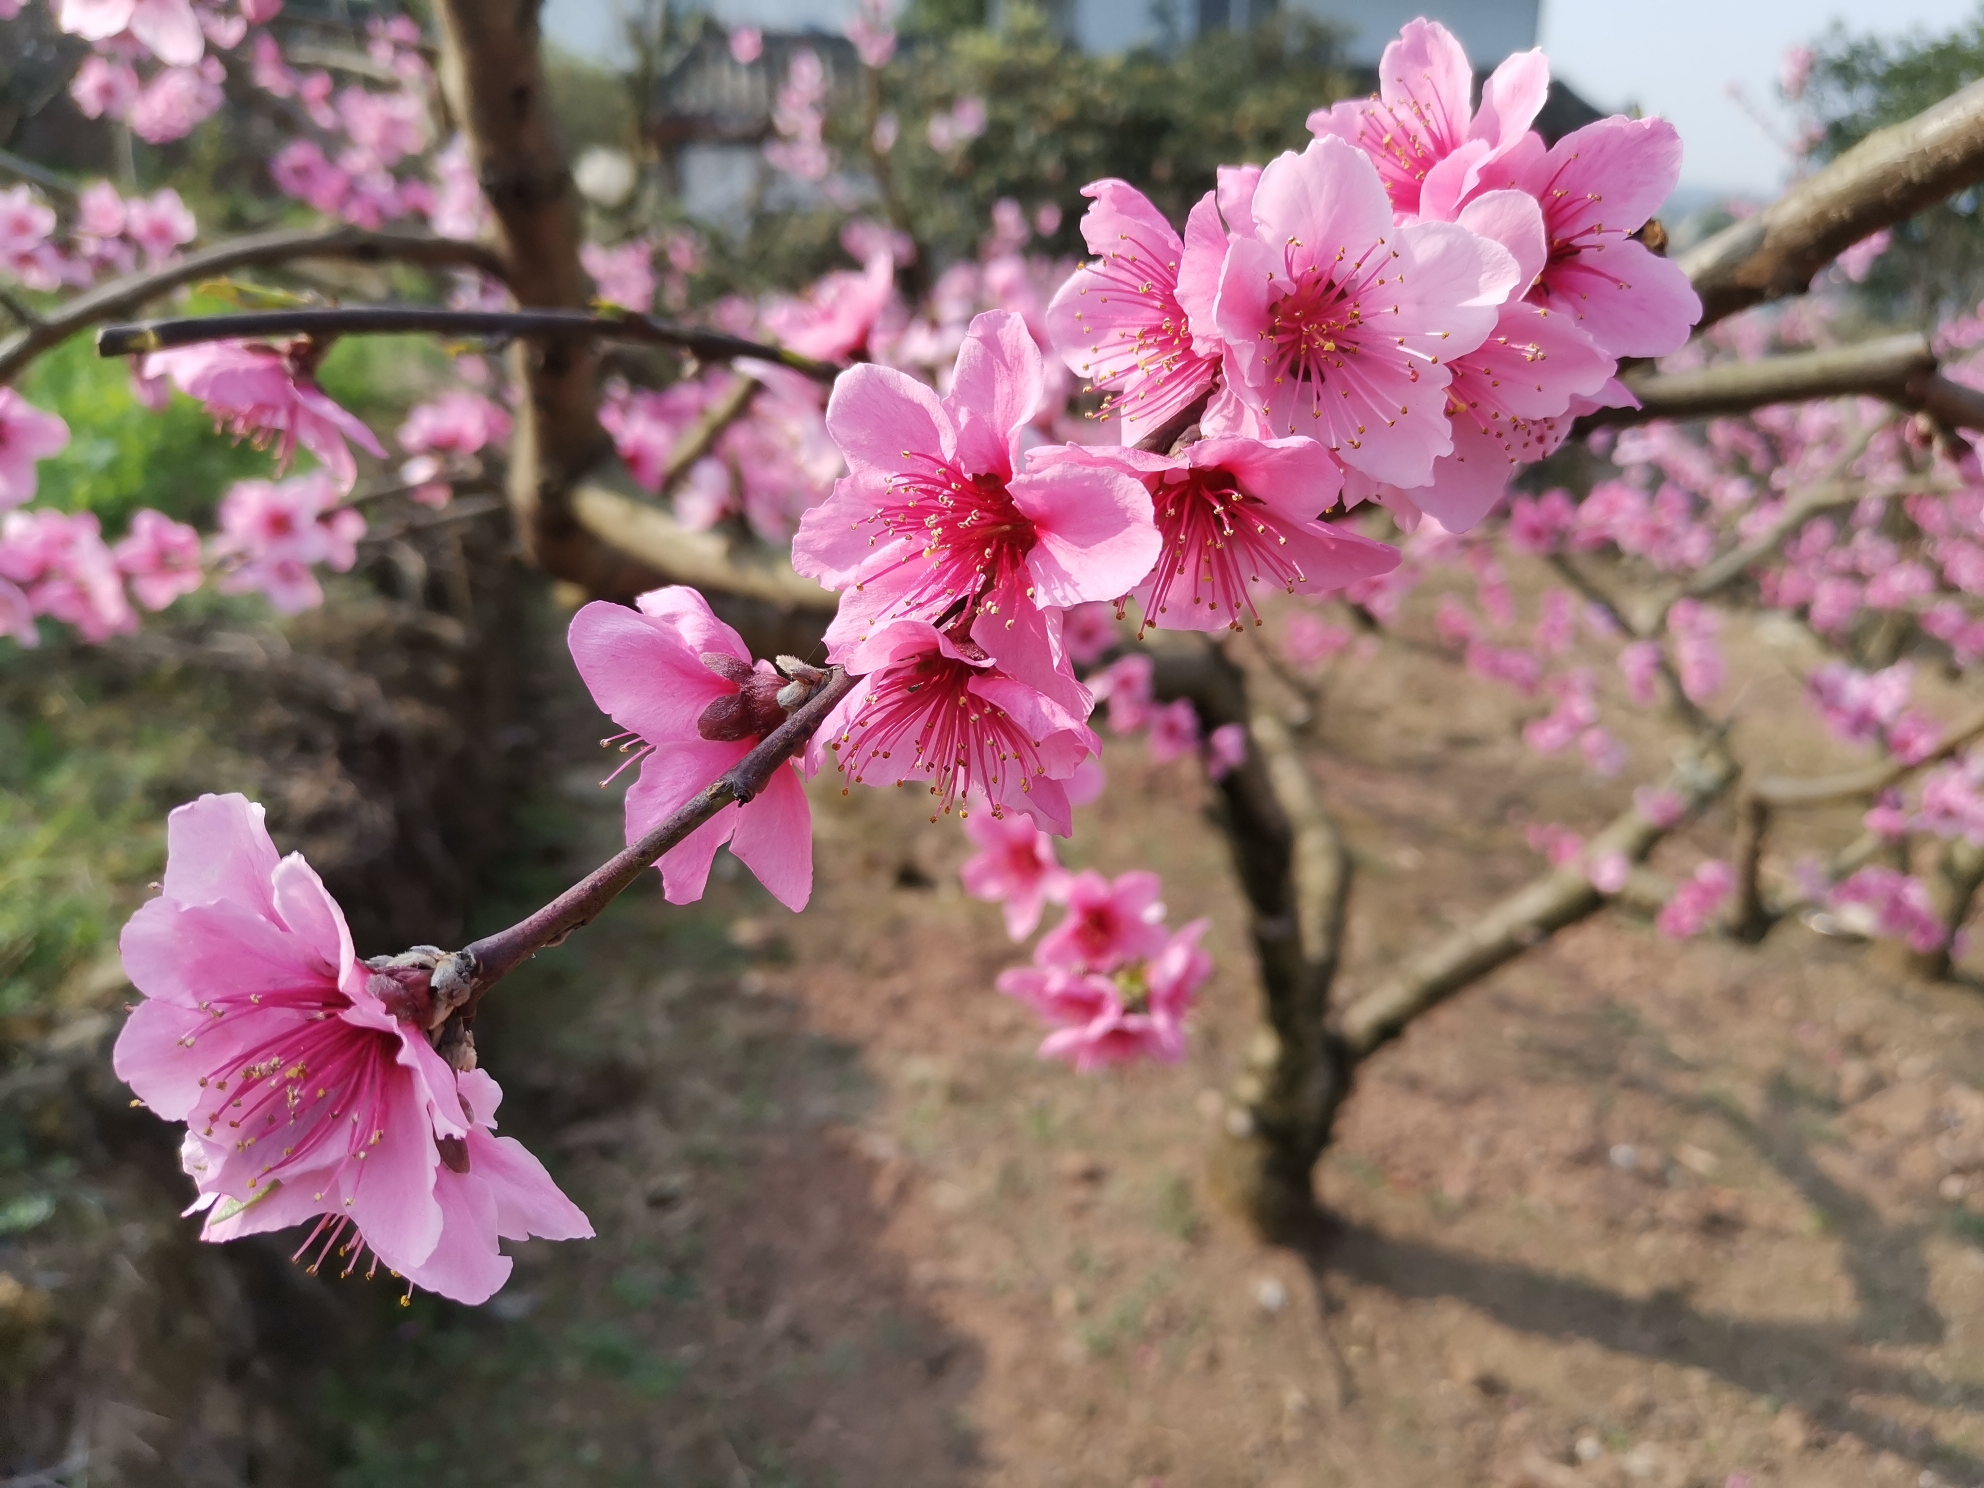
{"x": 107, "y": 235}
{"x": 1110, "y": 980}
{"x": 306, "y": 1077}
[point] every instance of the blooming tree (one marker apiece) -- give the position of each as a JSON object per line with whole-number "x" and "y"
{"x": 1020, "y": 499}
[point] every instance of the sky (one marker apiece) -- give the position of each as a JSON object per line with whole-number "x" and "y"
{"x": 1676, "y": 58}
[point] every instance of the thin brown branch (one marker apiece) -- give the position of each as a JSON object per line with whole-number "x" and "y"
{"x": 1886, "y": 178}
{"x": 435, "y": 320}
{"x": 131, "y": 293}
{"x": 650, "y": 535}
{"x": 468, "y": 974}
{"x": 1545, "y": 905}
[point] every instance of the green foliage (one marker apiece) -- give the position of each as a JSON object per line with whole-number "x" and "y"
{"x": 1058, "y": 118}
{"x": 88, "y": 768}
{"x": 1863, "y": 83}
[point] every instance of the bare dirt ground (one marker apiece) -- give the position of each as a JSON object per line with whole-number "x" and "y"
{"x": 1628, "y": 1212}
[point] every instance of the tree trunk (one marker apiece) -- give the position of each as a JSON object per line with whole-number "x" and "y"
{"x": 1296, "y": 877}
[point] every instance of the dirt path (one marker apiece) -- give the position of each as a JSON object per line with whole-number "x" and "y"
{"x": 1629, "y": 1213}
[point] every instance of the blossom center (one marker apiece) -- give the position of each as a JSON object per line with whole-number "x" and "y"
{"x": 965, "y": 531}
{"x": 1217, "y": 540}
{"x": 1313, "y": 329}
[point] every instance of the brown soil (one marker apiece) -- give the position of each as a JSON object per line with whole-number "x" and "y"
{"x": 1627, "y": 1212}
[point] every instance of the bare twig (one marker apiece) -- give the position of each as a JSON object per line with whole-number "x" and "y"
{"x": 481, "y": 964}
{"x": 399, "y": 320}
{"x": 1886, "y": 178}
{"x": 1547, "y": 904}
{"x": 132, "y": 292}
{"x": 698, "y": 439}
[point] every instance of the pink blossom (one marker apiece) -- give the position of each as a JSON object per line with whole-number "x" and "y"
{"x": 932, "y": 518}
{"x": 100, "y": 211}
{"x": 835, "y": 320}
{"x": 623, "y": 275}
{"x": 456, "y": 423}
{"x": 1913, "y": 737}
{"x": 1174, "y": 731}
{"x": 25, "y": 223}
{"x": 684, "y": 686}
{"x": 747, "y": 44}
{"x": 936, "y": 707}
{"x": 1125, "y": 684}
{"x": 160, "y": 224}
{"x": 1508, "y": 395}
{"x": 1118, "y": 320}
{"x": 176, "y": 101}
{"x": 161, "y": 558}
{"x": 1102, "y": 1019}
{"x": 1089, "y": 630}
{"x": 1695, "y": 902}
{"x": 262, "y": 394}
{"x": 1951, "y": 804}
{"x": 17, "y": 615}
{"x": 1576, "y": 711}
{"x": 61, "y": 564}
{"x": 384, "y": 128}
{"x": 1661, "y": 806}
{"x": 300, "y": 170}
{"x": 1420, "y": 130}
{"x": 873, "y": 36}
{"x": 1226, "y": 750}
{"x": 1609, "y": 871}
{"x": 104, "y": 88}
{"x": 1858, "y": 261}
{"x": 1014, "y": 866}
{"x": 308, "y": 1091}
{"x": 1857, "y": 706}
{"x": 1339, "y": 326}
{"x": 1558, "y": 843}
{"x": 260, "y": 12}
{"x": 1882, "y": 901}
{"x": 1538, "y": 524}
{"x": 1597, "y": 186}
{"x": 275, "y": 532}
{"x": 1795, "y": 72}
{"x": 27, "y": 436}
{"x": 1307, "y": 642}
{"x": 1697, "y": 654}
{"x": 1898, "y": 585}
{"x": 958, "y": 125}
{"x": 1235, "y": 516}
{"x": 1108, "y": 924}
{"x": 168, "y": 29}
{"x": 459, "y": 208}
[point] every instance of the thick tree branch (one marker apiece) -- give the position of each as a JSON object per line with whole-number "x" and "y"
{"x": 1890, "y": 367}
{"x": 435, "y": 320}
{"x": 1547, "y": 904}
{"x": 1827, "y": 790}
{"x": 607, "y": 507}
{"x": 1886, "y": 178}
{"x": 131, "y": 293}
{"x": 469, "y": 973}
